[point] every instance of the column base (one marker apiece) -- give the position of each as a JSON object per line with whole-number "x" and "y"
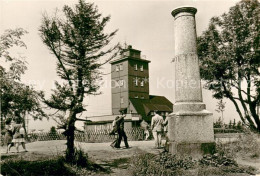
{"x": 195, "y": 150}
{"x": 191, "y": 133}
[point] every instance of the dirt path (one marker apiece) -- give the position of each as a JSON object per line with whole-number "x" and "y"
{"x": 115, "y": 159}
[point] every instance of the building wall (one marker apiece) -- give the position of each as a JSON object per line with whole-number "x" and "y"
{"x": 138, "y": 91}
{"x": 124, "y": 72}
{"x": 119, "y": 90}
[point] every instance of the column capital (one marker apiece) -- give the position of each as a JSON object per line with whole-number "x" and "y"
{"x": 178, "y": 10}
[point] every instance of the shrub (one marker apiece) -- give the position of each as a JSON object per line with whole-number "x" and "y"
{"x": 164, "y": 164}
{"x": 217, "y": 160}
{"x": 82, "y": 162}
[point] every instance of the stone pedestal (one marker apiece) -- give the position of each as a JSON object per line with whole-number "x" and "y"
{"x": 190, "y": 124}
{"x": 191, "y": 133}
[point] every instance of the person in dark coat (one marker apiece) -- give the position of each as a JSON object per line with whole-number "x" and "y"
{"x": 120, "y": 131}
{"x": 8, "y": 136}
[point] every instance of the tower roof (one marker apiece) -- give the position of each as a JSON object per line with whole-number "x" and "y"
{"x": 130, "y": 53}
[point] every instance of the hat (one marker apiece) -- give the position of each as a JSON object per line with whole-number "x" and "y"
{"x": 123, "y": 110}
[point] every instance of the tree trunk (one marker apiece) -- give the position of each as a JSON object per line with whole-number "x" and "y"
{"x": 70, "y": 137}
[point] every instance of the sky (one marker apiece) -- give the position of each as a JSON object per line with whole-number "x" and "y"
{"x": 147, "y": 25}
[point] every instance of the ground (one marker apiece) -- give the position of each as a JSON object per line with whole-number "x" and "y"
{"x": 115, "y": 159}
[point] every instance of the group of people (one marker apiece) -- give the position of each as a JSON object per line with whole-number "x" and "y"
{"x": 14, "y": 135}
{"x": 118, "y": 130}
{"x": 158, "y": 126}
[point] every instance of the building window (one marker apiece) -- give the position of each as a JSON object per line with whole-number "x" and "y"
{"x": 117, "y": 68}
{"x": 136, "y": 81}
{"x": 122, "y": 100}
{"x": 121, "y": 67}
{"x": 142, "y": 83}
{"x": 142, "y": 68}
{"x": 136, "y": 68}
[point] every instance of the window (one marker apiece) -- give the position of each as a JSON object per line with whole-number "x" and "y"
{"x": 142, "y": 83}
{"x": 135, "y": 67}
{"x": 121, "y": 67}
{"x": 122, "y": 100}
{"x": 136, "y": 81}
{"x": 142, "y": 68}
{"x": 117, "y": 68}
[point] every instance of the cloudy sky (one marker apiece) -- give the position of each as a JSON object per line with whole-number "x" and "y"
{"x": 147, "y": 25}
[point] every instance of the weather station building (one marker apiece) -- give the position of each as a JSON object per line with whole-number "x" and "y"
{"x": 130, "y": 92}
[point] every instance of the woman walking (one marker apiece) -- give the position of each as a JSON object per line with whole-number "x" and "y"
{"x": 8, "y": 135}
{"x": 18, "y": 137}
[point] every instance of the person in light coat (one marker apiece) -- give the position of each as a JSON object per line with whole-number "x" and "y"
{"x": 157, "y": 129}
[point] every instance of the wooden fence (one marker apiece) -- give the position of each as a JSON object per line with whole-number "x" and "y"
{"x": 99, "y": 136}
{"x": 133, "y": 134}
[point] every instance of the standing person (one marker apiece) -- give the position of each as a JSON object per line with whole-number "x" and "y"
{"x": 8, "y": 135}
{"x": 121, "y": 133}
{"x": 157, "y": 129}
{"x": 165, "y": 123}
{"x": 114, "y": 131}
{"x": 19, "y": 135}
{"x": 145, "y": 126}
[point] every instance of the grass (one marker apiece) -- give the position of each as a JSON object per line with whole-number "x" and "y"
{"x": 221, "y": 163}
{"x": 44, "y": 165}
{"x": 248, "y": 145}
{"x": 30, "y": 168}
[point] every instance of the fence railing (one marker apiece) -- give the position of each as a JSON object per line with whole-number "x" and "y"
{"x": 133, "y": 134}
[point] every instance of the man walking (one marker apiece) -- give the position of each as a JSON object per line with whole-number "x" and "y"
{"x": 120, "y": 130}
{"x": 157, "y": 129}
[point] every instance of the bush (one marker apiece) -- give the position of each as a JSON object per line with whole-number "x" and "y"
{"x": 217, "y": 160}
{"x": 82, "y": 164}
{"x": 164, "y": 164}
{"x": 80, "y": 158}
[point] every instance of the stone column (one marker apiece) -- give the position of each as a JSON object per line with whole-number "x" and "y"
{"x": 190, "y": 124}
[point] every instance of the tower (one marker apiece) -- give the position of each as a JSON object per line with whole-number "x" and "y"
{"x": 129, "y": 79}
